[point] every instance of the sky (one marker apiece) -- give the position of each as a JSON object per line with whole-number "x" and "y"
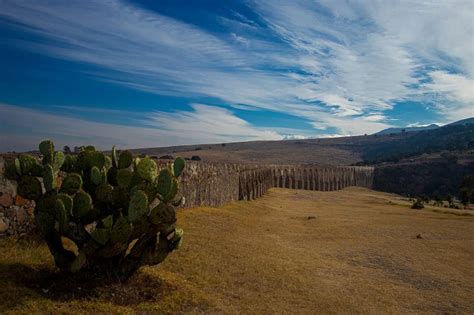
{"x": 159, "y": 73}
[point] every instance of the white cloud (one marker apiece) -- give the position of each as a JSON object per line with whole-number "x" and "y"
{"x": 23, "y": 129}
{"x": 456, "y": 87}
{"x": 335, "y": 63}
{"x": 454, "y": 92}
{"x": 375, "y": 53}
{"x": 151, "y": 52}
{"x": 297, "y": 137}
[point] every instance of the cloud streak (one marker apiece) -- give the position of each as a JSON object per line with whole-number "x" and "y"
{"x": 23, "y": 129}
{"x": 341, "y": 65}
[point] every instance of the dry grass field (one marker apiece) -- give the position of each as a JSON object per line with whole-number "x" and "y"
{"x": 350, "y": 251}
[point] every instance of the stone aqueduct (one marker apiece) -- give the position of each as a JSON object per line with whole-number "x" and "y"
{"x": 208, "y": 184}
{"x": 214, "y": 184}
{"x": 256, "y": 183}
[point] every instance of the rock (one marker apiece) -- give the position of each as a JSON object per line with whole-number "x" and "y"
{"x": 4, "y": 224}
{"x": 21, "y": 215}
{"x": 30, "y": 210}
{"x": 311, "y": 217}
{"x": 22, "y": 202}
{"x": 6, "y": 200}
{"x": 8, "y": 186}
{"x": 419, "y": 236}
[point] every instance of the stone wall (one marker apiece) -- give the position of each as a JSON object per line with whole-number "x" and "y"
{"x": 322, "y": 178}
{"x": 16, "y": 213}
{"x": 208, "y": 184}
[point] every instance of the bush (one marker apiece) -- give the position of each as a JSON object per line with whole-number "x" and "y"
{"x": 418, "y": 204}
{"x": 118, "y": 211}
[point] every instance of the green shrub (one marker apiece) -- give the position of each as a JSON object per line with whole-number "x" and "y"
{"x": 118, "y": 211}
{"x": 418, "y": 204}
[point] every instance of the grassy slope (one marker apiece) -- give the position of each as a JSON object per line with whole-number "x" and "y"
{"x": 359, "y": 254}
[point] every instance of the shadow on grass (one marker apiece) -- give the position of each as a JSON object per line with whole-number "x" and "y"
{"x": 19, "y": 282}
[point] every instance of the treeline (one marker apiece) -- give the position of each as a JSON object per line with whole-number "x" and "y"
{"x": 448, "y": 138}
{"x": 434, "y": 180}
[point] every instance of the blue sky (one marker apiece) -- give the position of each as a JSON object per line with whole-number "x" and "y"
{"x": 158, "y": 73}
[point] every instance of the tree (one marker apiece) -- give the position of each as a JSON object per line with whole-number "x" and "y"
{"x": 67, "y": 149}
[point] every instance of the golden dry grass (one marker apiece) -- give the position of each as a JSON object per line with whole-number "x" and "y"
{"x": 351, "y": 251}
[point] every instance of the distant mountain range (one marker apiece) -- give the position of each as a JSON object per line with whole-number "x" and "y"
{"x": 422, "y": 128}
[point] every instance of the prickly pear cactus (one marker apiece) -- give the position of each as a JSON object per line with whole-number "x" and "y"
{"x": 118, "y": 210}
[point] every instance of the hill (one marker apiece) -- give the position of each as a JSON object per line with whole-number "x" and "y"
{"x": 406, "y": 129}
{"x": 367, "y": 149}
{"x": 428, "y": 162}
{"x": 453, "y": 137}
{"x": 466, "y": 121}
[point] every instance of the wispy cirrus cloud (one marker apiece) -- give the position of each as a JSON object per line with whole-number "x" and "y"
{"x": 148, "y": 51}
{"x": 377, "y": 53}
{"x": 340, "y": 65}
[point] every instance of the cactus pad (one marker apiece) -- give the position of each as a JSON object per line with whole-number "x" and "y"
{"x": 147, "y": 169}
{"x": 49, "y": 178}
{"x": 148, "y": 188}
{"x": 69, "y": 164}
{"x": 17, "y": 164}
{"x": 58, "y": 161}
{"x": 61, "y": 215}
{"x": 105, "y": 193}
{"x": 165, "y": 181}
{"x": 27, "y": 164}
{"x": 121, "y": 231}
{"x": 108, "y": 221}
{"x": 82, "y": 204}
{"x": 88, "y": 158}
{"x": 114, "y": 157}
{"x": 177, "y": 238}
{"x": 108, "y": 162}
{"x": 138, "y": 206}
{"x": 101, "y": 235}
{"x": 67, "y": 202}
{"x": 97, "y": 159}
{"x": 96, "y": 175}
{"x": 173, "y": 191}
{"x": 125, "y": 159}
{"x": 178, "y": 166}
{"x": 71, "y": 183}
{"x": 124, "y": 177}
{"x": 163, "y": 214}
{"x": 47, "y": 150}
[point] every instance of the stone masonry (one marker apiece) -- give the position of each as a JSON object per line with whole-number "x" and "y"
{"x": 207, "y": 184}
